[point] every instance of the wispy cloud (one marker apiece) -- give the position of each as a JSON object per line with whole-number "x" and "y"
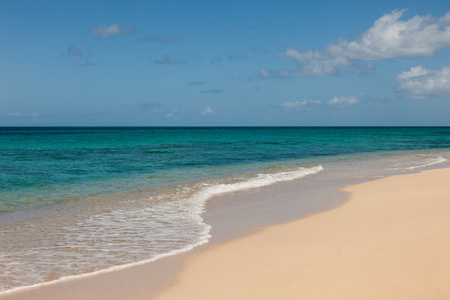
{"x": 229, "y": 58}
{"x": 173, "y": 114}
{"x": 213, "y": 91}
{"x": 106, "y": 31}
{"x": 260, "y": 50}
{"x": 166, "y": 60}
{"x": 215, "y": 60}
{"x": 207, "y": 111}
{"x": 264, "y": 73}
{"x": 75, "y": 51}
{"x": 344, "y": 101}
{"x": 388, "y": 38}
{"x": 160, "y": 39}
{"x": 15, "y": 114}
{"x": 301, "y": 105}
{"x": 35, "y": 116}
{"x": 232, "y": 57}
{"x": 420, "y": 83}
{"x": 83, "y": 59}
{"x": 315, "y": 104}
{"x": 87, "y": 64}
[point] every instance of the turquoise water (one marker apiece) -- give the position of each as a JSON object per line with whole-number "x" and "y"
{"x": 117, "y": 196}
{"x": 41, "y": 166}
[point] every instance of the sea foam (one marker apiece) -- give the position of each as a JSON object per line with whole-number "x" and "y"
{"x": 259, "y": 181}
{"x": 131, "y": 235}
{"x": 428, "y": 162}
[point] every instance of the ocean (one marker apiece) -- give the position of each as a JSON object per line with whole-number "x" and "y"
{"x": 81, "y": 200}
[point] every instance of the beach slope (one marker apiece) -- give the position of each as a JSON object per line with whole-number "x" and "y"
{"x": 391, "y": 240}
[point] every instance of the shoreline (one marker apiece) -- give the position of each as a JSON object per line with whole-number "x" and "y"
{"x": 389, "y": 241}
{"x": 231, "y": 215}
{"x": 149, "y": 279}
{"x": 154, "y": 276}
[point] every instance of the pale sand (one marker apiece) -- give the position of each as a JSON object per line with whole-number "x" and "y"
{"x": 390, "y": 241}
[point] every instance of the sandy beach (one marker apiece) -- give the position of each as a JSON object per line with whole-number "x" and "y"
{"x": 391, "y": 240}
{"x": 204, "y": 150}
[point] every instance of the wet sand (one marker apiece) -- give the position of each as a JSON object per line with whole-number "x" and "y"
{"x": 390, "y": 241}
{"x": 231, "y": 216}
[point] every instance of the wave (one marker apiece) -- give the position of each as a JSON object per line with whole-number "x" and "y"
{"x": 135, "y": 224}
{"x": 259, "y": 181}
{"x": 429, "y": 162}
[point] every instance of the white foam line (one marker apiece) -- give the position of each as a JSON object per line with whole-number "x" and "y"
{"x": 208, "y": 192}
{"x": 439, "y": 160}
{"x": 111, "y": 269}
{"x": 260, "y": 181}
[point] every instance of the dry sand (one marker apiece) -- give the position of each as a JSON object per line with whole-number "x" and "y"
{"x": 390, "y": 241}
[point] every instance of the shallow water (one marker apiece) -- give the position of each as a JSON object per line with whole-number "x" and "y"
{"x": 83, "y": 200}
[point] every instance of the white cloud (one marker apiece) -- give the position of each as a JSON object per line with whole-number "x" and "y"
{"x": 414, "y": 72}
{"x": 388, "y": 38}
{"x": 352, "y": 100}
{"x": 314, "y": 104}
{"x": 106, "y": 31}
{"x": 207, "y": 111}
{"x": 301, "y": 105}
{"x": 15, "y": 114}
{"x": 420, "y": 83}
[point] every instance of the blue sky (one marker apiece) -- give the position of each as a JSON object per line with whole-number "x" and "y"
{"x": 202, "y": 63}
